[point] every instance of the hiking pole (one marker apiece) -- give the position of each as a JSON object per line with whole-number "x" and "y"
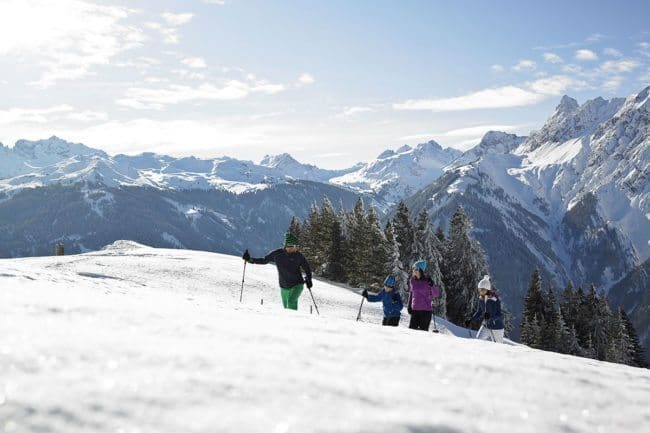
{"x": 359, "y": 314}
{"x": 241, "y": 293}
{"x": 435, "y": 326}
{"x": 314, "y": 301}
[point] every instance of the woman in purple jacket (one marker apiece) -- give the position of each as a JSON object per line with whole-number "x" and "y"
{"x": 421, "y": 296}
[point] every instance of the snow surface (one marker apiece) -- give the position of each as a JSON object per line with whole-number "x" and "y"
{"x": 135, "y": 339}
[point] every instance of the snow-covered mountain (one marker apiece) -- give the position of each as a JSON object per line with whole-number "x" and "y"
{"x": 132, "y": 338}
{"x": 392, "y": 176}
{"x": 573, "y": 198}
{"x": 396, "y": 174}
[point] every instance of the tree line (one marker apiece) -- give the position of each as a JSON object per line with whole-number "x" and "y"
{"x": 578, "y": 323}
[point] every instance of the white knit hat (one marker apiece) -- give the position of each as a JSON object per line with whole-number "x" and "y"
{"x": 485, "y": 283}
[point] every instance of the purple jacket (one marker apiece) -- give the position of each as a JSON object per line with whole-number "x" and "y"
{"x": 422, "y": 293}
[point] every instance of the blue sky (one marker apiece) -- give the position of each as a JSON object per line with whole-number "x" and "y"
{"x": 331, "y": 82}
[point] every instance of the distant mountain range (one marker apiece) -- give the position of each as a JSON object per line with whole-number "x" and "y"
{"x": 571, "y": 198}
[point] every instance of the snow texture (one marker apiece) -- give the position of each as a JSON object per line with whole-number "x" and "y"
{"x": 135, "y": 339}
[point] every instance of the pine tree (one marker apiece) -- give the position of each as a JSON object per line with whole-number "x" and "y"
{"x": 359, "y": 245}
{"x": 427, "y": 246}
{"x": 294, "y": 227}
{"x": 394, "y": 264}
{"x": 531, "y": 332}
{"x": 404, "y": 233}
{"x": 464, "y": 266}
{"x": 335, "y": 269}
{"x": 569, "y": 340}
{"x": 440, "y": 234}
{"x": 533, "y": 311}
{"x": 378, "y": 250}
{"x": 309, "y": 236}
{"x": 600, "y": 335}
{"x": 635, "y": 351}
{"x": 551, "y": 335}
{"x": 618, "y": 341}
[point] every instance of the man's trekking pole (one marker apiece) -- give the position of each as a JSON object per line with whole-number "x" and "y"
{"x": 241, "y": 293}
{"x": 314, "y": 301}
{"x": 359, "y": 314}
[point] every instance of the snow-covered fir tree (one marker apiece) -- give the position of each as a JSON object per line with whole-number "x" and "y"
{"x": 464, "y": 266}
{"x": 533, "y": 311}
{"x": 394, "y": 264}
{"x": 378, "y": 251}
{"x": 428, "y": 247}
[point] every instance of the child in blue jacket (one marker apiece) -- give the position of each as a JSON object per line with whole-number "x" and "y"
{"x": 391, "y": 299}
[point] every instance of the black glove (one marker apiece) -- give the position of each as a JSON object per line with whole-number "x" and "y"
{"x": 365, "y": 293}
{"x": 409, "y": 309}
{"x": 246, "y": 256}
{"x": 486, "y": 316}
{"x": 467, "y": 323}
{"x": 309, "y": 283}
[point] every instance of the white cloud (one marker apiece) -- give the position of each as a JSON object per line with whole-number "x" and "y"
{"x": 33, "y": 115}
{"x": 192, "y": 75}
{"x": 177, "y": 20}
{"x": 351, "y": 111}
{"x": 572, "y": 69}
{"x": 555, "y": 85}
{"x": 595, "y": 37}
{"x": 87, "y": 116}
{"x": 498, "y": 97}
{"x": 497, "y": 68}
{"x": 194, "y": 62}
{"x": 215, "y": 2}
{"x": 176, "y": 137}
{"x": 157, "y": 99}
{"x": 644, "y": 48}
{"x": 66, "y": 38}
{"x": 306, "y": 79}
{"x": 552, "y": 58}
{"x": 586, "y": 55}
{"x": 620, "y": 65}
{"x": 478, "y": 131}
{"x": 525, "y": 65}
{"x": 612, "y": 84}
{"x": 612, "y": 52}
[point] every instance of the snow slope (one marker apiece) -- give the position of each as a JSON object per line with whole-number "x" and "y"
{"x": 135, "y": 339}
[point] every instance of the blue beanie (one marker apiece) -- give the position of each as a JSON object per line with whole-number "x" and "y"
{"x": 420, "y": 264}
{"x": 389, "y": 281}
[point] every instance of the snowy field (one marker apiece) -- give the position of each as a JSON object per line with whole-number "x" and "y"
{"x": 134, "y": 339}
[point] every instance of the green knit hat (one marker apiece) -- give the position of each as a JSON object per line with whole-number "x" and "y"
{"x": 290, "y": 240}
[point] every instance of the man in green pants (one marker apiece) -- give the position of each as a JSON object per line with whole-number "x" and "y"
{"x": 290, "y": 263}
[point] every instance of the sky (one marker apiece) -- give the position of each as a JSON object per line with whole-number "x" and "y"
{"x": 330, "y": 82}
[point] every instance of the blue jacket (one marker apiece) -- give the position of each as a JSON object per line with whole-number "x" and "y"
{"x": 492, "y": 305}
{"x": 392, "y": 302}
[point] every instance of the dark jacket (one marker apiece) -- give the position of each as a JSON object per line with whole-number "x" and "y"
{"x": 288, "y": 265}
{"x": 492, "y": 305}
{"x": 391, "y": 300}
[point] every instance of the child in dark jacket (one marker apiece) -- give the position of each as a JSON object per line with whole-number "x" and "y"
{"x": 488, "y": 313}
{"x": 391, "y": 299}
